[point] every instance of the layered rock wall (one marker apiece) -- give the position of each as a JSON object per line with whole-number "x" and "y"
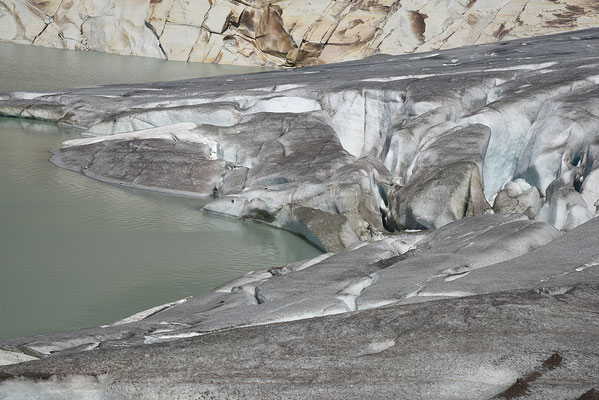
{"x": 283, "y": 32}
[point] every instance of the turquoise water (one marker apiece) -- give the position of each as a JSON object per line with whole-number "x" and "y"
{"x": 75, "y": 252}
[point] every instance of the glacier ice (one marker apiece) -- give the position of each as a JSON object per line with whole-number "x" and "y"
{"x": 423, "y": 178}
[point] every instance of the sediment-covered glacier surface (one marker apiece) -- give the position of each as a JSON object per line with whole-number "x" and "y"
{"x": 454, "y": 192}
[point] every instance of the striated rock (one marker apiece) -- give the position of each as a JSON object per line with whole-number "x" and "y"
{"x": 120, "y": 29}
{"x": 217, "y": 18}
{"x": 187, "y": 12}
{"x": 179, "y": 40}
{"x": 285, "y": 32}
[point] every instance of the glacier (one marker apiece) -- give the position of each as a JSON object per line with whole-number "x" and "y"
{"x": 455, "y": 195}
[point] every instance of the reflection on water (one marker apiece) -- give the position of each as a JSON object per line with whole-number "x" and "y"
{"x": 75, "y": 252}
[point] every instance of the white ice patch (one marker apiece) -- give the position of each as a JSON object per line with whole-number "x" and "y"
{"x": 484, "y": 380}
{"x": 426, "y": 56}
{"x": 313, "y": 261}
{"x": 526, "y": 67}
{"x": 12, "y": 357}
{"x": 372, "y": 304}
{"x": 454, "y": 277}
{"x": 174, "y": 103}
{"x": 457, "y": 293}
{"x": 226, "y": 116}
{"x": 284, "y": 104}
{"x": 378, "y": 347}
{"x": 70, "y": 388}
{"x": 282, "y": 88}
{"x": 350, "y": 293}
{"x": 184, "y": 132}
{"x": 150, "y": 339}
{"x": 162, "y": 132}
{"x": 31, "y": 95}
{"x": 587, "y": 265}
{"x": 146, "y": 313}
{"x": 398, "y": 78}
{"x": 361, "y": 118}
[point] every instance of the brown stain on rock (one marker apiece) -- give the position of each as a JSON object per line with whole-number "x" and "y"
{"x": 271, "y": 36}
{"x": 567, "y": 17}
{"x": 575, "y": 9}
{"x": 472, "y": 19}
{"x": 418, "y": 24}
{"x": 501, "y": 32}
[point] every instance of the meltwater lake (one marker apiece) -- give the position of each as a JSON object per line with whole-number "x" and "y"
{"x": 75, "y": 252}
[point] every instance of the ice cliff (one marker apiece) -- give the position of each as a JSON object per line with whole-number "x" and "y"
{"x": 455, "y": 192}
{"x": 283, "y": 32}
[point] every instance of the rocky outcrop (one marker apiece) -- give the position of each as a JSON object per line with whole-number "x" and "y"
{"x": 283, "y": 32}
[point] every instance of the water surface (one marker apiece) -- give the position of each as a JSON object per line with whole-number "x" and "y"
{"x": 75, "y": 252}
{"x": 34, "y": 68}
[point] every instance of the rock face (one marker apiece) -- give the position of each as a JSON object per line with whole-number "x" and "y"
{"x": 492, "y": 148}
{"x": 283, "y": 32}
